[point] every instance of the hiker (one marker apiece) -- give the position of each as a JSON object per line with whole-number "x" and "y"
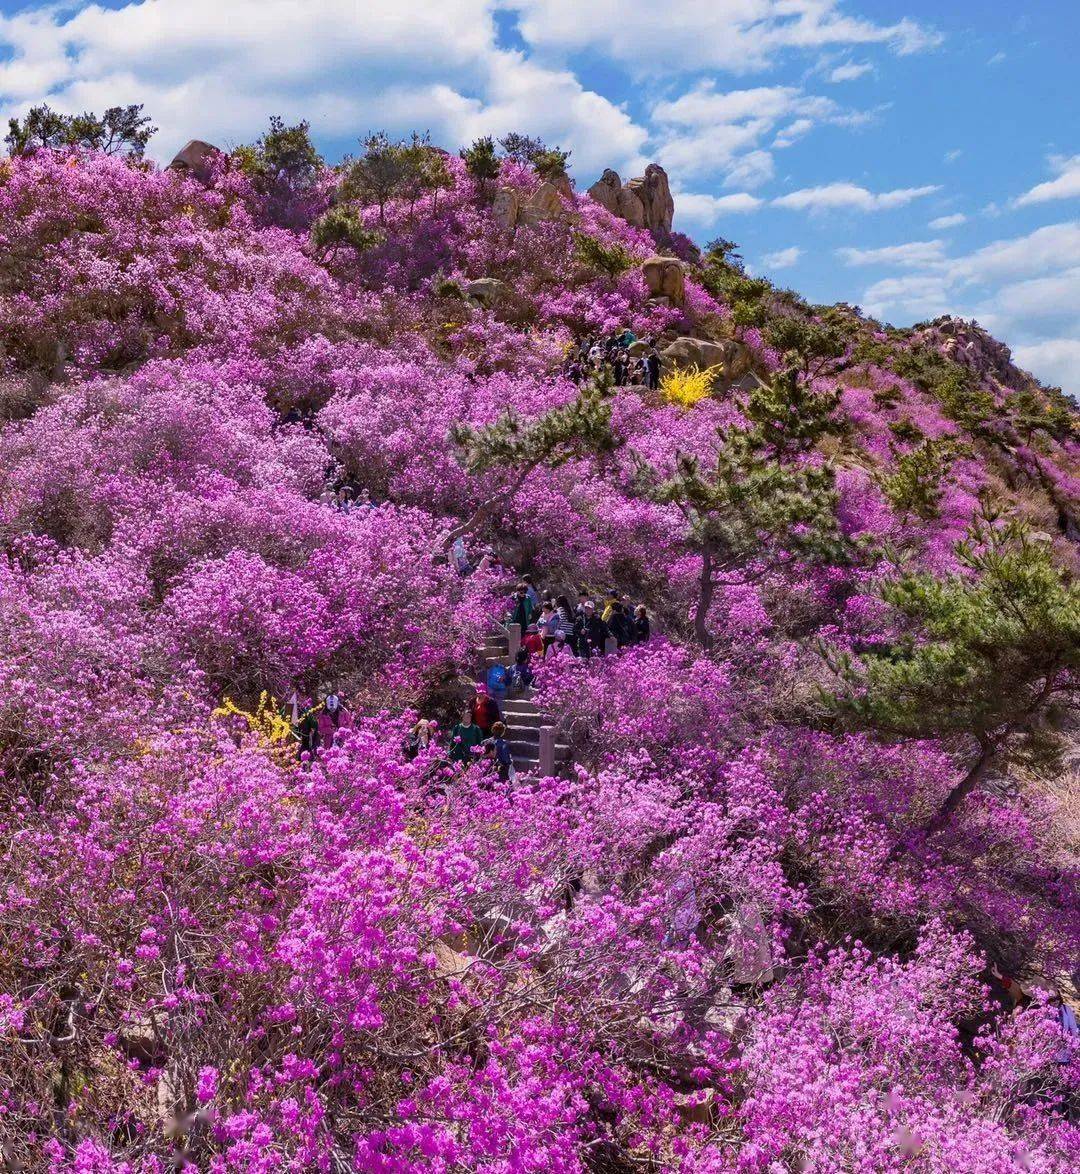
{"x": 419, "y": 738}
{"x": 308, "y": 728}
{"x": 521, "y": 675}
{"x": 548, "y": 627}
{"x": 594, "y": 633}
{"x": 652, "y": 370}
{"x": 640, "y": 627}
{"x": 533, "y": 641}
{"x": 531, "y": 592}
{"x": 333, "y": 706}
{"x": 498, "y": 749}
{"x": 485, "y": 709}
{"x": 565, "y": 619}
{"x": 523, "y": 610}
{"x": 464, "y": 738}
{"x": 619, "y": 624}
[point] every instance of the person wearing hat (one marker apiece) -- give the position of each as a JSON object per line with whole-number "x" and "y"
{"x": 485, "y": 709}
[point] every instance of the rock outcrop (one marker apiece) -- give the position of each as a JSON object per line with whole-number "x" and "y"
{"x": 506, "y": 208}
{"x": 510, "y": 209}
{"x": 195, "y": 158}
{"x": 968, "y": 344}
{"x": 735, "y": 358}
{"x": 654, "y": 192}
{"x": 544, "y": 204}
{"x": 488, "y": 291}
{"x": 606, "y": 190}
{"x": 645, "y": 202}
{"x": 666, "y": 278}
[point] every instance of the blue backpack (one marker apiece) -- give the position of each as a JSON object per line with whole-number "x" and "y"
{"x": 497, "y": 678}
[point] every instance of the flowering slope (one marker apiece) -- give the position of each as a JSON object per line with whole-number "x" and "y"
{"x": 726, "y": 942}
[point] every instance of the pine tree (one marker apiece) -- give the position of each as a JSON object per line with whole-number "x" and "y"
{"x": 581, "y": 428}
{"x": 760, "y": 501}
{"x": 380, "y": 174}
{"x": 481, "y": 162}
{"x": 283, "y": 165}
{"x": 342, "y": 225}
{"x": 988, "y": 654}
{"x": 121, "y": 130}
{"x": 916, "y": 484}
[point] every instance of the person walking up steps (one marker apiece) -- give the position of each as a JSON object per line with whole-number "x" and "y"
{"x": 464, "y": 738}
{"x": 499, "y": 750}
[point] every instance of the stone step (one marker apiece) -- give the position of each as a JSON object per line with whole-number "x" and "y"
{"x": 524, "y": 706}
{"x": 523, "y": 721}
{"x": 530, "y": 751}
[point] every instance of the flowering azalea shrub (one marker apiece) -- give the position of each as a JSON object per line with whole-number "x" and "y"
{"x": 727, "y": 937}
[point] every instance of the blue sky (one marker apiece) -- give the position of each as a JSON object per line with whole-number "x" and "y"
{"x": 913, "y": 158}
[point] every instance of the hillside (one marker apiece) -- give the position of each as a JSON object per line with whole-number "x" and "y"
{"x": 802, "y": 891}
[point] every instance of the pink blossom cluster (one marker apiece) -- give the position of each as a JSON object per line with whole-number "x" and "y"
{"x": 706, "y": 947}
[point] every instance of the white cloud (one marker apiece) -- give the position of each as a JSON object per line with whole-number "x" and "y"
{"x": 954, "y": 220}
{"x": 1065, "y": 186}
{"x": 782, "y": 258}
{"x": 1057, "y": 360}
{"x": 739, "y": 36}
{"x": 750, "y": 170}
{"x": 703, "y": 209}
{"x": 997, "y": 58}
{"x": 791, "y": 134}
{"x": 217, "y": 71}
{"x": 1025, "y": 289}
{"x": 914, "y": 254}
{"x": 706, "y": 130}
{"x": 850, "y": 70}
{"x": 953, "y": 155}
{"x": 833, "y": 196}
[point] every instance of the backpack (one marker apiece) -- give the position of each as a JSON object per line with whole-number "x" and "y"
{"x": 497, "y": 677}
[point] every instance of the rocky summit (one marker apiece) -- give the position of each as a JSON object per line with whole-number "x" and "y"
{"x": 488, "y": 683}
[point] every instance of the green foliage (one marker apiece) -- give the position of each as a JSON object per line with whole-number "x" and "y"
{"x": 987, "y": 654}
{"x": 522, "y": 148}
{"x": 121, "y": 130}
{"x": 282, "y": 164}
{"x": 760, "y": 501}
{"x": 916, "y": 484}
{"x": 610, "y": 259}
{"x": 342, "y": 225}
{"x": 388, "y": 169}
{"x": 722, "y": 275}
{"x": 1051, "y": 413}
{"x": 721, "y": 251}
{"x": 434, "y": 173}
{"x": 481, "y": 162}
{"x": 550, "y": 164}
{"x": 788, "y": 417}
{"x": 577, "y": 429}
{"x": 815, "y": 347}
{"x": 953, "y": 386}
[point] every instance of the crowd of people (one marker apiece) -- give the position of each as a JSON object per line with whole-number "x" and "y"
{"x": 315, "y": 723}
{"x": 550, "y": 624}
{"x": 609, "y": 354}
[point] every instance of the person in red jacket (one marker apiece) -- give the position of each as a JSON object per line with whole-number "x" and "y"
{"x": 533, "y": 641}
{"x": 485, "y": 710}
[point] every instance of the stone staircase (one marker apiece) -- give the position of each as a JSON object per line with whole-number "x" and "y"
{"x": 535, "y": 741}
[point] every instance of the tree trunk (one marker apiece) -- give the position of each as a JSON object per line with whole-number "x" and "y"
{"x": 987, "y": 754}
{"x": 483, "y": 509}
{"x": 705, "y": 598}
